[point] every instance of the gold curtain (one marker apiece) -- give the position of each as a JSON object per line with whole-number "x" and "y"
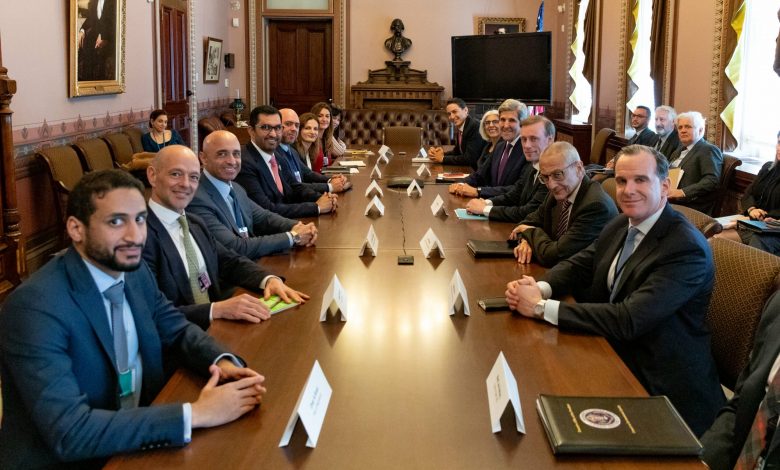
{"x": 588, "y": 46}
{"x": 731, "y": 73}
{"x": 657, "y": 48}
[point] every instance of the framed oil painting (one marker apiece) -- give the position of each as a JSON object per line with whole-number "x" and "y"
{"x": 212, "y": 63}
{"x": 97, "y": 47}
{"x": 487, "y": 25}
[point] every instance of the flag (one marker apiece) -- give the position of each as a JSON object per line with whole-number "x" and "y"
{"x": 540, "y": 17}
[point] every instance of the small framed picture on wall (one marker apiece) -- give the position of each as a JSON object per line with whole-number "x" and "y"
{"x": 487, "y": 25}
{"x": 213, "y": 60}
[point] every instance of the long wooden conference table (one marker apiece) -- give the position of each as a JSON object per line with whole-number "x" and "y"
{"x": 408, "y": 380}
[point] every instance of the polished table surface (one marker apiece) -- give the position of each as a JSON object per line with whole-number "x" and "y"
{"x": 408, "y": 380}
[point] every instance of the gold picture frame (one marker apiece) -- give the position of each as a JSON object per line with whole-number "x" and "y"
{"x": 97, "y": 47}
{"x": 212, "y": 60}
{"x": 488, "y": 25}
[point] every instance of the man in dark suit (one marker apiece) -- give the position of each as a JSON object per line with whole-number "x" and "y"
{"x": 668, "y": 140}
{"x": 725, "y": 440}
{"x": 499, "y": 174}
{"x": 701, "y": 163}
{"x": 536, "y": 134}
{"x": 291, "y": 125}
{"x": 468, "y": 143}
{"x": 79, "y": 370}
{"x": 190, "y": 266}
{"x": 571, "y": 216}
{"x": 268, "y": 181}
{"x": 640, "y": 118}
{"x": 644, "y": 284}
{"x": 235, "y": 220}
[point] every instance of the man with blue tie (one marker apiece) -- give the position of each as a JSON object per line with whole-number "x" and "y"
{"x": 268, "y": 181}
{"x": 291, "y": 125}
{"x": 81, "y": 346}
{"x": 644, "y": 284}
{"x": 234, "y": 219}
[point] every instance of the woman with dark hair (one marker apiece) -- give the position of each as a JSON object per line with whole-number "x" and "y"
{"x": 308, "y": 141}
{"x": 322, "y": 111}
{"x": 762, "y": 202}
{"x": 159, "y": 136}
{"x": 338, "y": 147}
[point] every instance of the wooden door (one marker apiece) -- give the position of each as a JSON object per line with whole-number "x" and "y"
{"x": 300, "y": 63}
{"x": 175, "y": 64}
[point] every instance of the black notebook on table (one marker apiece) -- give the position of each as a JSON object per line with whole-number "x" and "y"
{"x": 615, "y": 426}
{"x": 492, "y": 248}
{"x": 760, "y": 226}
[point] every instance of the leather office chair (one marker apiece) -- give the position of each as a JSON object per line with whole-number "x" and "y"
{"x": 706, "y": 224}
{"x": 745, "y": 277}
{"x": 121, "y": 148}
{"x": 727, "y": 172}
{"x": 95, "y": 154}
{"x": 135, "y": 134}
{"x": 398, "y": 135}
{"x": 599, "y": 148}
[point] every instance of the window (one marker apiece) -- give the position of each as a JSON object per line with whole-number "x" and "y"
{"x": 639, "y": 69}
{"x": 581, "y": 97}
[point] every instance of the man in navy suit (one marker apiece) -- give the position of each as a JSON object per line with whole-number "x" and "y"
{"x": 79, "y": 370}
{"x": 268, "y": 181}
{"x": 643, "y": 135}
{"x": 724, "y": 441}
{"x": 468, "y": 143}
{"x": 191, "y": 267}
{"x": 571, "y": 216}
{"x": 701, "y": 163}
{"x": 644, "y": 284}
{"x": 235, "y": 220}
{"x": 291, "y": 125}
{"x": 499, "y": 174}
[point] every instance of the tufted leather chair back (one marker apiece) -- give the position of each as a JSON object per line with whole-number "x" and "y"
{"x": 364, "y": 126}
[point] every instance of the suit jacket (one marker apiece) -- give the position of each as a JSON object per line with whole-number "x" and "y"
{"x": 255, "y": 177}
{"x": 468, "y": 151}
{"x": 657, "y": 323}
{"x": 486, "y": 177}
{"x": 316, "y": 181}
{"x": 267, "y": 230}
{"x": 592, "y": 209}
{"x": 646, "y": 137}
{"x": 60, "y": 384}
{"x": 222, "y": 265}
{"x": 670, "y": 144}
{"x": 701, "y": 175}
{"x": 525, "y": 197}
{"x": 724, "y": 440}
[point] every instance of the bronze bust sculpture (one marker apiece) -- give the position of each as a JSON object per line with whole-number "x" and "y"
{"x": 397, "y": 44}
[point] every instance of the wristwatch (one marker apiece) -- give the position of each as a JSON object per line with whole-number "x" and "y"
{"x": 296, "y": 238}
{"x": 539, "y": 309}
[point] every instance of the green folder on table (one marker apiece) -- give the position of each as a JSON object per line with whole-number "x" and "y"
{"x": 276, "y": 305}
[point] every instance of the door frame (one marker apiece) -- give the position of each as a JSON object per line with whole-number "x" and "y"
{"x": 257, "y": 51}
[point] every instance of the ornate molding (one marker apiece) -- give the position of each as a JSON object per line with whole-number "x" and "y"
{"x": 571, "y": 23}
{"x": 671, "y": 20}
{"x": 620, "y": 106}
{"x": 193, "y": 116}
{"x": 716, "y": 74}
{"x": 341, "y": 85}
{"x": 252, "y": 53}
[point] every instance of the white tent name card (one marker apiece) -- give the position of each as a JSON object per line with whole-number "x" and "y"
{"x": 374, "y": 189}
{"x": 383, "y": 158}
{"x": 422, "y": 170}
{"x": 414, "y": 186}
{"x": 422, "y": 153}
{"x": 502, "y": 390}
{"x": 371, "y": 242}
{"x": 335, "y": 296}
{"x": 458, "y": 295}
{"x": 438, "y": 206}
{"x": 385, "y": 150}
{"x": 311, "y": 407}
{"x": 376, "y": 204}
{"x": 376, "y": 171}
{"x": 430, "y": 243}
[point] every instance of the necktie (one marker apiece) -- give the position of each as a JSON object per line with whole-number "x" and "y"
{"x": 200, "y": 297}
{"x": 625, "y": 253}
{"x": 275, "y": 172}
{"x": 756, "y": 441}
{"x": 460, "y": 140}
{"x": 116, "y": 296}
{"x": 563, "y": 219}
{"x": 502, "y": 163}
{"x": 236, "y": 209}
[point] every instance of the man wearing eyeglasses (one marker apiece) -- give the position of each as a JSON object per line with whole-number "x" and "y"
{"x": 572, "y": 214}
{"x": 640, "y": 118}
{"x": 267, "y": 180}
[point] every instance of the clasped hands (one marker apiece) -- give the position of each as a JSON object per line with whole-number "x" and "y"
{"x": 522, "y": 295}
{"x": 463, "y": 189}
{"x": 241, "y": 390}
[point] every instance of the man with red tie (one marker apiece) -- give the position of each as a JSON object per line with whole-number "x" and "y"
{"x": 468, "y": 143}
{"x": 270, "y": 182}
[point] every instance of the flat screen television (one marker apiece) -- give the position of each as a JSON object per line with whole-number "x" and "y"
{"x": 500, "y": 66}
